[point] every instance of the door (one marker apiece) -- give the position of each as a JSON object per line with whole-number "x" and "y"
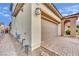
{"x": 49, "y": 30}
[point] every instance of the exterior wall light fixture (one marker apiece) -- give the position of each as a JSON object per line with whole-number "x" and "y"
{"x": 37, "y": 11}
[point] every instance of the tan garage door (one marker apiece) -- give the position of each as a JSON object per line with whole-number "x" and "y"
{"x": 49, "y": 30}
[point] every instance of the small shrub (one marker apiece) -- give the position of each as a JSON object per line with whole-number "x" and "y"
{"x": 77, "y": 26}
{"x": 76, "y": 30}
{"x": 67, "y": 32}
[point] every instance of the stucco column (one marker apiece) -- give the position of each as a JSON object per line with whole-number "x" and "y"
{"x": 62, "y": 28}
{"x": 59, "y": 29}
{"x": 35, "y": 28}
{"x": 73, "y": 27}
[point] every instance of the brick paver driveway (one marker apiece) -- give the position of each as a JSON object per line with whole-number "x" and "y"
{"x": 64, "y": 46}
{"x": 60, "y": 45}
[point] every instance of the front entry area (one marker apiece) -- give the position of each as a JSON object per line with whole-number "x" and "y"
{"x": 71, "y": 27}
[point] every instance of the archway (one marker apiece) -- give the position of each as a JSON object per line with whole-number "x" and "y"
{"x": 77, "y": 28}
{"x": 67, "y": 30}
{"x": 72, "y": 21}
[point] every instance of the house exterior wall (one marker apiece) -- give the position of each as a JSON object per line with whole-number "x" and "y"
{"x": 59, "y": 29}
{"x": 35, "y": 28}
{"x": 21, "y": 24}
{"x": 28, "y": 25}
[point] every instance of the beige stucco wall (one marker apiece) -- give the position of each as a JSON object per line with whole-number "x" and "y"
{"x": 29, "y": 23}
{"x": 35, "y": 28}
{"x": 22, "y": 24}
{"x": 59, "y": 29}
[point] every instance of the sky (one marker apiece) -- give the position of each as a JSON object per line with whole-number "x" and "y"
{"x": 5, "y": 13}
{"x": 68, "y": 9}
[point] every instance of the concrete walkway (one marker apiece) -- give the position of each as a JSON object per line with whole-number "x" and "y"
{"x": 9, "y": 46}
{"x": 6, "y": 46}
{"x": 63, "y": 46}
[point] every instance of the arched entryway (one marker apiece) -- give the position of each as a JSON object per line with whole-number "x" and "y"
{"x": 71, "y": 21}
{"x": 67, "y": 30}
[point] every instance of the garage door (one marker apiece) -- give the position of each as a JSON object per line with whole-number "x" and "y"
{"x": 49, "y": 30}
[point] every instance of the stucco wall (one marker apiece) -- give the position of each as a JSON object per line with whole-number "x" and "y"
{"x": 22, "y": 24}
{"x": 29, "y": 23}
{"x": 35, "y": 28}
{"x": 59, "y": 29}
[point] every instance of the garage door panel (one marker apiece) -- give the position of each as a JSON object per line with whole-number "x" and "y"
{"x": 49, "y": 30}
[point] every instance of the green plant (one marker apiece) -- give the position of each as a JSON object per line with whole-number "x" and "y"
{"x": 68, "y": 32}
{"x": 77, "y": 26}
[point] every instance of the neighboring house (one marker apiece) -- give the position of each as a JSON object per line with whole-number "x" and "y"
{"x": 6, "y": 30}
{"x": 33, "y": 26}
{"x": 2, "y": 27}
